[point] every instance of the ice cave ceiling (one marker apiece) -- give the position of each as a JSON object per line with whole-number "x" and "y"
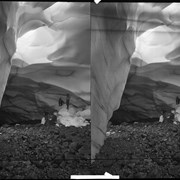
{"x": 45, "y": 54}
{"x": 52, "y": 34}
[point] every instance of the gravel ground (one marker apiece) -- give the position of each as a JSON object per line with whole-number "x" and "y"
{"x": 43, "y": 152}
{"x": 140, "y": 150}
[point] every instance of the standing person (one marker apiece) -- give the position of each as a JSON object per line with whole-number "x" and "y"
{"x": 61, "y": 102}
{"x": 177, "y": 100}
{"x": 54, "y": 118}
{"x": 162, "y": 116}
{"x": 172, "y": 115}
{"x": 43, "y": 120}
{"x": 67, "y": 100}
{"x": 46, "y": 116}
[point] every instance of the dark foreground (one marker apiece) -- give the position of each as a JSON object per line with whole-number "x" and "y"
{"x": 143, "y": 150}
{"x": 41, "y": 152}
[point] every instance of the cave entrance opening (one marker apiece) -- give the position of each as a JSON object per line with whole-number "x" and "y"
{"x": 152, "y": 85}
{"x": 47, "y": 65}
{"x": 32, "y": 50}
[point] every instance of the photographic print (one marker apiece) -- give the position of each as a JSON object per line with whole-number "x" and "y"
{"x": 45, "y": 89}
{"x": 89, "y": 89}
{"x": 135, "y": 89}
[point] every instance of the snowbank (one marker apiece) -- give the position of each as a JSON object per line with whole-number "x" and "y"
{"x": 72, "y": 117}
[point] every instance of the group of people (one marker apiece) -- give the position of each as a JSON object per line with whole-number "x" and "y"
{"x": 173, "y": 115}
{"x": 51, "y": 119}
{"x": 61, "y": 102}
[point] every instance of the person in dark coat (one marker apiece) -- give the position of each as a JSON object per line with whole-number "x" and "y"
{"x": 46, "y": 115}
{"x": 61, "y": 102}
{"x": 172, "y": 115}
{"x": 177, "y": 100}
{"x": 67, "y": 100}
{"x": 53, "y": 120}
{"x": 163, "y": 113}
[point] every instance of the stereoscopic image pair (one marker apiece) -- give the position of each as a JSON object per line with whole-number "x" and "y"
{"x": 89, "y": 88}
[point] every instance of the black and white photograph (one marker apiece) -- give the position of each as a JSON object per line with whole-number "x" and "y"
{"x": 45, "y": 130}
{"x": 89, "y": 88}
{"x": 135, "y": 89}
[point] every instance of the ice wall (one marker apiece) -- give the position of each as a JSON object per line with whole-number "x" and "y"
{"x": 7, "y": 40}
{"x": 13, "y": 23}
{"x": 114, "y": 30}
